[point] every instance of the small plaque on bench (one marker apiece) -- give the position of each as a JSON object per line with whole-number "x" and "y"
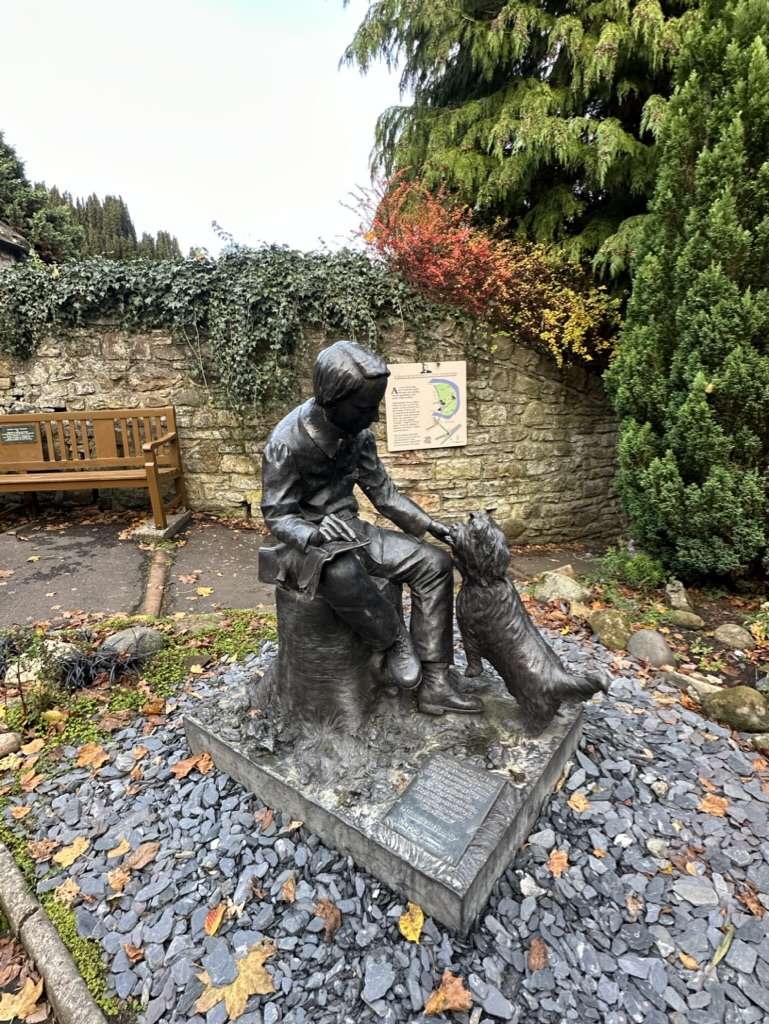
{"x": 18, "y": 433}
{"x": 444, "y": 806}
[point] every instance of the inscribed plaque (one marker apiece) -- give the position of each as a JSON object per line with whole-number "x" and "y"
{"x": 426, "y": 406}
{"x": 18, "y": 433}
{"x": 444, "y": 806}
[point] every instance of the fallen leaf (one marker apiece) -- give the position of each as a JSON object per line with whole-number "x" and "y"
{"x": 538, "y": 955}
{"x": 214, "y": 919}
{"x": 293, "y": 825}
{"x": 760, "y": 764}
{"x": 331, "y": 915}
{"x": 114, "y": 720}
{"x": 134, "y": 953}
{"x": 689, "y": 702}
{"x": 688, "y": 961}
{"x": 183, "y": 768}
{"x": 252, "y": 980}
{"x": 67, "y": 855}
{"x": 22, "y": 1003}
{"x": 42, "y": 849}
{"x": 33, "y": 747}
{"x": 39, "y": 1014}
{"x": 67, "y": 892}
{"x": 141, "y": 856}
{"x": 197, "y": 669}
{"x": 122, "y": 847}
{"x": 154, "y": 706}
{"x": 53, "y": 716}
{"x": 189, "y": 577}
{"x": 634, "y": 905}
{"x": 707, "y": 785}
{"x": 119, "y": 878}
{"x": 723, "y": 946}
{"x": 263, "y": 818}
{"x": 91, "y": 755}
{"x": 410, "y": 924}
{"x": 715, "y": 805}
{"x": 10, "y": 762}
{"x": 691, "y": 868}
{"x": 450, "y": 995}
{"x": 29, "y": 781}
{"x": 598, "y": 852}
{"x": 20, "y": 811}
{"x": 139, "y": 752}
{"x": 204, "y": 591}
{"x": 288, "y": 890}
{"x": 750, "y": 899}
{"x": 557, "y": 862}
{"x": 34, "y": 558}
{"x": 578, "y": 802}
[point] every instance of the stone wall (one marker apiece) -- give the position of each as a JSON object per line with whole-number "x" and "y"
{"x": 541, "y": 440}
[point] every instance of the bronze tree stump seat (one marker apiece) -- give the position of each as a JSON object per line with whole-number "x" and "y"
{"x": 324, "y": 674}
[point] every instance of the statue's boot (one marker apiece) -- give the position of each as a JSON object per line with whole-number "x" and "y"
{"x": 404, "y": 668}
{"x": 437, "y": 694}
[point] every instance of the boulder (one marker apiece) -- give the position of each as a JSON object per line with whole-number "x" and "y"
{"x": 580, "y": 611}
{"x": 700, "y": 689}
{"x": 760, "y": 740}
{"x": 28, "y": 669}
{"x": 136, "y": 640}
{"x": 730, "y": 634}
{"x": 611, "y": 627}
{"x": 763, "y": 685}
{"x": 566, "y": 570}
{"x": 9, "y": 743}
{"x": 677, "y": 596}
{"x": 554, "y": 586}
{"x": 649, "y": 645}
{"x": 685, "y": 620}
{"x": 741, "y": 707}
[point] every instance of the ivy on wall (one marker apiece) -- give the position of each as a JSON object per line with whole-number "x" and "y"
{"x": 252, "y": 305}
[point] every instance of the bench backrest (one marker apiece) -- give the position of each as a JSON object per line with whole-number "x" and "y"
{"x": 106, "y": 438}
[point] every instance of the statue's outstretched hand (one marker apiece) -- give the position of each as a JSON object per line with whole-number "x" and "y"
{"x": 440, "y": 530}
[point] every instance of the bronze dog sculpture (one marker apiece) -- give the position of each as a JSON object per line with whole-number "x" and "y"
{"x": 495, "y": 625}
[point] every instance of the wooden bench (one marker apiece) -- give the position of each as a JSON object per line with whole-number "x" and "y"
{"x": 89, "y": 450}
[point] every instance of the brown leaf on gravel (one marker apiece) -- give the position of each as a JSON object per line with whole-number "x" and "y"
{"x": 715, "y": 805}
{"x": 707, "y": 785}
{"x": 119, "y": 878}
{"x": 688, "y": 961}
{"x": 450, "y": 995}
{"x": 331, "y": 915}
{"x": 33, "y": 747}
{"x": 598, "y": 852}
{"x": 288, "y": 890}
{"x": 557, "y": 862}
{"x": 760, "y": 764}
{"x": 263, "y": 818}
{"x": 29, "y": 781}
{"x": 42, "y": 849}
{"x": 539, "y": 956}
{"x": 141, "y": 856}
{"x": 752, "y": 902}
{"x": 117, "y": 851}
{"x": 578, "y": 802}
{"x": 634, "y": 905}
{"x": 91, "y": 755}
{"x": 214, "y": 919}
{"x": 67, "y": 855}
{"x": 134, "y": 953}
{"x": 20, "y": 811}
{"x": 139, "y": 752}
{"x": 182, "y": 768}
{"x": 113, "y": 720}
{"x": 136, "y": 773}
{"x": 252, "y": 980}
{"x": 154, "y": 706}
{"x": 67, "y": 892}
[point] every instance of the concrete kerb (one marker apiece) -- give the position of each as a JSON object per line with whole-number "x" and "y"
{"x": 65, "y": 989}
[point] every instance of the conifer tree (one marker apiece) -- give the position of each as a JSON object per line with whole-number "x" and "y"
{"x": 538, "y": 114}
{"x": 39, "y": 214}
{"x": 692, "y": 375}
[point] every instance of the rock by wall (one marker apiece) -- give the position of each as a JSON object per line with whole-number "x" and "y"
{"x": 541, "y": 440}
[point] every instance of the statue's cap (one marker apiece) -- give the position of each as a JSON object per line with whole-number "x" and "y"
{"x": 342, "y": 367}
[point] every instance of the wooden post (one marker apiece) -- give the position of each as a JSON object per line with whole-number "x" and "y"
{"x": 153, "y": 485}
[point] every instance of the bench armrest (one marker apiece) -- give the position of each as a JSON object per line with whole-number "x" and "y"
{"x": 150, "y": 446}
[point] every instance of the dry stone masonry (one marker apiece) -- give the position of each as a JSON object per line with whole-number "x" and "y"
{"x": 541, "y": 440}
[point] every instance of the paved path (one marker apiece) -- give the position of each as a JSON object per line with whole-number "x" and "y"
{"x": 81, "y": 567}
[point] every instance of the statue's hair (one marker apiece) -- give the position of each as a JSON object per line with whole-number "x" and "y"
{"x": 341, "y": 368}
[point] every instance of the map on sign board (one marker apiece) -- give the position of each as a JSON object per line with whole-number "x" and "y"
{"x": 426, "y": 406}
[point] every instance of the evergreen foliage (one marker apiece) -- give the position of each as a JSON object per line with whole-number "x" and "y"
{"x": 37, "y": 213}
{"x": 253, "y": 306}
{"x": 108, "y": 230}
{"x": 540, "y": 114}
{"x": 692, "y": 375}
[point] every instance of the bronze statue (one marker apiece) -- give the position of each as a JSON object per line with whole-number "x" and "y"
{"x": 312, "y": 461}
{"x": 496, "y": 626}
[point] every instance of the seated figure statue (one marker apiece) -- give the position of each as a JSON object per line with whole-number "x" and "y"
{"x": 312, "y": 461}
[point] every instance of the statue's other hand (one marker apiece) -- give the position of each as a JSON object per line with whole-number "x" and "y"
{"x": 334, "y": 528}
{"x": 440, "y": 530}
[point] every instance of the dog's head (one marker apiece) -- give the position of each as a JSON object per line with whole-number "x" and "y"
{"x": 480, "y": 548}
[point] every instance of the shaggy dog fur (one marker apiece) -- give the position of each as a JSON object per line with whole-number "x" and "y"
{"x": 496, "y": 626}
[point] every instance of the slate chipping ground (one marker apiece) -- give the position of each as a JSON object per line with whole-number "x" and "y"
{"x": 615, "y": 923}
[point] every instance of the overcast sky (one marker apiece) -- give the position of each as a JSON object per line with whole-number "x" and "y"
{"x": 195, "y": 110}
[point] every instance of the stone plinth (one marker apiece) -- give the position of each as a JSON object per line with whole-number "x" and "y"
{"x": 433, "y": 807}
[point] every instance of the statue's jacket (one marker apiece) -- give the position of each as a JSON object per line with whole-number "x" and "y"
{"x": 309, "y": 470}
